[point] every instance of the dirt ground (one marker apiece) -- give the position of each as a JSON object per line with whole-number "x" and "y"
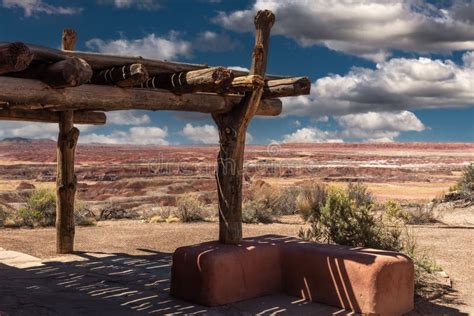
{"x": 137, "y": 238}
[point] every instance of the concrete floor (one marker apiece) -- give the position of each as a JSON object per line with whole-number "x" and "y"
{"x": 116, "y": 284}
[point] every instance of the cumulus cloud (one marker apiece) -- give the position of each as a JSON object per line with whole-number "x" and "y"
{"x": 31, "y": 7}
{"x": 206, "y": 134}
{"x": 151, "y": 46}
{"x": 311, "y": 135}
{"x": 140, "y": 4}
{"x": 370, "y": 29}
{"x": 395, "y": 85}
{"x": 134, "y": 136}
{"x": 209, "y": 41}
{"x": 379, "y": 126}
{"x": 127, "y": 118}
{"x": 34, "y": 130}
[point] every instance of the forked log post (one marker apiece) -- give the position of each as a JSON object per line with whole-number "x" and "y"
{"x": 215, "y": 79}
{"x": 44, "y": 116}
{"x": 14, "y": 57}
{"x": 232, "y": 129}
{"x": 71, "y": 72}
{"x": 66, "y": 181}
{"x": 124, "y": 77}
{"x": 33, "y": 95}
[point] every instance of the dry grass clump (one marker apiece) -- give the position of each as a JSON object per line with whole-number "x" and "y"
{"x": 189, "y": 208}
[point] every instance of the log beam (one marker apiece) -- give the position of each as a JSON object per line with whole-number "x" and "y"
{"x": 232, "y": 131}
{"x": 287, "y": 87}
{"x": 44, "y": 116}
{"x": 14, "y": 57}
{"x": 124, "y": 77}
{"x": 70, "y": 72}
{"x": 100, "y": 61}
{"x": 32, "y": 95}
{"x": 215, "y": 79}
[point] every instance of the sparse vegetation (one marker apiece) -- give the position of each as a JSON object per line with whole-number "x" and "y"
{"x": 348, "y": 217}
{"x": 466, "y": 183}
{"x": 254, "y": 212}
{"x": 40, "y": 208}
{"x": 189, "y": 208}
{"x": 310, "y": 200}
{"x": 114, "y": 211}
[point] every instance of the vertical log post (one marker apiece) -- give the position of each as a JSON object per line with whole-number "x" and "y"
{"x": 232, "y": 129}
{"x": 66, "y": 181}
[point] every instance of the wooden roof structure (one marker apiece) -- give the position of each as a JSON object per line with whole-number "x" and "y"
{"x": 68, "y": 87}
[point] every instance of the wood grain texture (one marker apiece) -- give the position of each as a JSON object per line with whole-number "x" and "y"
{"x": 14, "y": 57}
{"x": 32, "y": 94}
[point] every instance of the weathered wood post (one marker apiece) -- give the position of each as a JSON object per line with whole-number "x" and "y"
{"x": 66, "y": 181}
{"x": 232, "y": 129}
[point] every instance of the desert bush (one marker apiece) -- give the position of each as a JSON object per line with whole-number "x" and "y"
{"x": 3, "y": 215}
{"x": 189, "y": 208}
{"x": 254, "y": 212}
{"x": 114, "y": 211}
{"x": 281, "y": 201}
{"x": 40, "y": 208}
{"x": 360, "y": 194}
{"x": 310, "y": 200}
{"x": 422, "y": 214}
{"x": 83, "y": 216}
{"x": 393, "y": 210}
{"x": 348, "y": 219}
{"x": 466, "y": 183}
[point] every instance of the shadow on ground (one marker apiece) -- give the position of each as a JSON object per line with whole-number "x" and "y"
{"x": 121, "y": 284}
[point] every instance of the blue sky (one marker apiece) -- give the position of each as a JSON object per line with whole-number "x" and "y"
{"x": 381, "y": 70}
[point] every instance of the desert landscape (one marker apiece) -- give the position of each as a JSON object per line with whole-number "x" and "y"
{"x": 126, "y": 188}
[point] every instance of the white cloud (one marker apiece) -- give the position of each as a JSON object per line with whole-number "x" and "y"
{"x": 31, "y": 7}
{"x": 150, "y": 46}
{"x": 370, "y": 29}
{"x": 381, "y": 126}
{"x": 134, "y": 136}
{"x": 140, "y": 4}
{"x": 395, "y": 85}
{"x": 34, "y": 130}
{"x": 127, "y": 118}
{"x": 238, "y": 68}
{"x": 205, "y": 134}
{"x": 311, "y": 135}
{"x": 209, "y": 41}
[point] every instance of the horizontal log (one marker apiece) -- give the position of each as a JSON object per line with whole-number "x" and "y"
{"x": 100, "y": 61}
{"x": 246, "y": 83}
{"x": 214, "y": 79}
{"x": 288, "y": 87}
{"x": 45, "y": 116}
{"x": 33, "y": 94}
{"x": 14, "y": 57}
{"x": 70, "y": 72}
{"x": 125, "y": 76}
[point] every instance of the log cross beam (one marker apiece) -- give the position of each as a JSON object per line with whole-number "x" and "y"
{"x": 66, "y": 181}
{"x": 232, "y": 130}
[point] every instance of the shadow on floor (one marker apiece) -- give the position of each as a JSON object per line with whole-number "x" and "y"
{"x": 120, "y": 284}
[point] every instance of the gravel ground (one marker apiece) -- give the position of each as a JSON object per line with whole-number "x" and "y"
{"x": 452, "y": 248}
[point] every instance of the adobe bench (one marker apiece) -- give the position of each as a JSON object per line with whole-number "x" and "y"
{"x": 359, "y": 279}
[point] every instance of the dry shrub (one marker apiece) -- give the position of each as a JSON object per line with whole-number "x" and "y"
{"x": 281, "y": 201}
{"x": 83, "y": 216}
{"x": 40, "y": 208}
{"x": 255, "y": 212}
{"x": 189, "y": 208}
{"x": 310, "y": 200}
{"x": 114, "y": 211}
